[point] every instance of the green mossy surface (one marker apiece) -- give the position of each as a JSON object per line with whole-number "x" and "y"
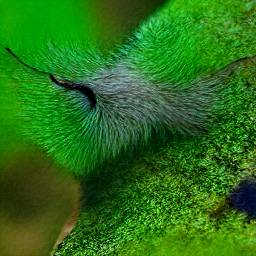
{"x": 169, "y": 201}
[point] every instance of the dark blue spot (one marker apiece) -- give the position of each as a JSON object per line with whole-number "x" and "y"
{"x": 243, "y": 198}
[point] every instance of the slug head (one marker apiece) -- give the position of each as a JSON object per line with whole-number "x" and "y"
{"x": 82, "y": 118}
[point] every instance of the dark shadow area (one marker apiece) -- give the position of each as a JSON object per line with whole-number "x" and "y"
{"x": 243, "y": 197}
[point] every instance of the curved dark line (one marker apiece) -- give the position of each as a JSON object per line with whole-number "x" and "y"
{"x": 85, "y": 90}
{"x": 23, "y": 63}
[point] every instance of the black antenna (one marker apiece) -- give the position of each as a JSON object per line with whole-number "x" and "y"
{"x": 25, "y": 64}
{"x": 85, "y": 90}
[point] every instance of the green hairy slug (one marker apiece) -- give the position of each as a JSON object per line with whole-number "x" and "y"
{"x": 86, "y": 108}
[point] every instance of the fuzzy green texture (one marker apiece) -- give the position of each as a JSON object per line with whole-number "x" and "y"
{"x": 62, "y": 122}
{"x": 136, "y": 91}
{"x": 162, "y": 204}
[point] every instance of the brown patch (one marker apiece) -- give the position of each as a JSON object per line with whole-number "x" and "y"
{"x": 37, "y": 198}
{"x": 220, "y": 210}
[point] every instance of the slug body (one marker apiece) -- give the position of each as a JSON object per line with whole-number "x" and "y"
{"x": 86, "y": 109}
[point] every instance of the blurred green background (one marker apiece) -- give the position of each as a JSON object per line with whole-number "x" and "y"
{"x": 28, "y": 23}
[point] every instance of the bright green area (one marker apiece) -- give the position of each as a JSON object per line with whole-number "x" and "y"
{"x": 27, "y": 24}
{"x": 162, "y": 204}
